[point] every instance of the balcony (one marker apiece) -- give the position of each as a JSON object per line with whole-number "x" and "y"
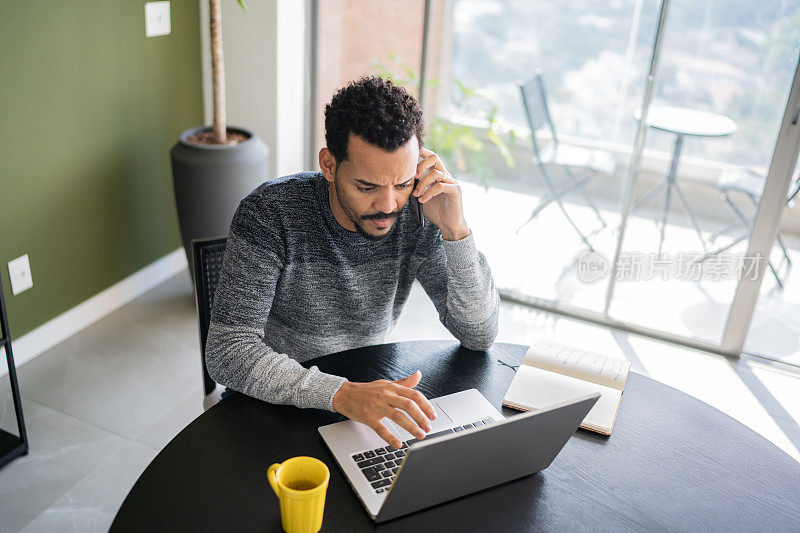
{"x": 538, "y": 261}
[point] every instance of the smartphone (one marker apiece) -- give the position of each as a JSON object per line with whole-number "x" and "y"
{"x": 417, "y": 206}
{"x": 415, "y": 201}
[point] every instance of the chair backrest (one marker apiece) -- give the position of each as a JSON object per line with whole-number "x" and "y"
{"x": 534, "y": 101}
{"x": 207, "y": 255}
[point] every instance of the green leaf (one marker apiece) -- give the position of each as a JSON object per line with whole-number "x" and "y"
{"x": 504, "y": 151}
{"x": 243, "y": 4}
{"x": 465, "y": 91}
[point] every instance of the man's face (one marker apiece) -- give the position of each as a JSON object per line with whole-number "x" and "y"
{"x": 371, "y": 187}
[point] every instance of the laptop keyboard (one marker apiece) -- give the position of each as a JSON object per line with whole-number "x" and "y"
{"x": 380, "y": 465}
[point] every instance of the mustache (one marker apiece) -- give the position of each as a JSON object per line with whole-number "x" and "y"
{"x": 381, "y": 216}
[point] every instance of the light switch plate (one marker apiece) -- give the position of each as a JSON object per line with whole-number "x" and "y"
{"x": 19, "y": 272}
{"x": 156, "y": 19}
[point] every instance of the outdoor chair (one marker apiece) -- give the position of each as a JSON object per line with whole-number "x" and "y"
{"x": 750, "y": 183}
{"x": 578, "y": 163}
{"x": 207, "y": 257}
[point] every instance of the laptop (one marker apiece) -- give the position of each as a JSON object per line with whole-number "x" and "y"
{"x": 471, "y": 447}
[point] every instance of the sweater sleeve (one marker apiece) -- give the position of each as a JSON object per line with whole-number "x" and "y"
{"x": 457, "y": 279}
{"x": 236, "y": 353}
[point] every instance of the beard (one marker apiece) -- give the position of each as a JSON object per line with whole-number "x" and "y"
{"x": 358, "y": 220}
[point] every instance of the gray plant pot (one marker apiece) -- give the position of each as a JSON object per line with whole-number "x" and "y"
{"x": 211, "y": 180}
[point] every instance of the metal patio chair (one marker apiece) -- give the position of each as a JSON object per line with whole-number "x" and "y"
{"x": 749, "y": 182}
{"x": 579, "y": 164}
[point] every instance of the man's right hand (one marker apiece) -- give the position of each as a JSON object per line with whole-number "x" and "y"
{"x": 369, "y": 402}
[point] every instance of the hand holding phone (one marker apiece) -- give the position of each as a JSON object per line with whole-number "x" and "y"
{"x": 442, "y": 192}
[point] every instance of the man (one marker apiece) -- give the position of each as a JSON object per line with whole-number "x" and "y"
{"x": 322, "y": 262}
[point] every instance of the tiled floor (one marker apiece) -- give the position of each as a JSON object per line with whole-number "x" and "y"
{"x": 98, "y": 407}
{"x": 101, "y": 405}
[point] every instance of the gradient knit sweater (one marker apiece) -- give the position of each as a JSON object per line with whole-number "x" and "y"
{"x": 295, "y": 285}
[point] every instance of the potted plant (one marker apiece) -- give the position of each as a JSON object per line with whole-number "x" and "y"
{"x": 214, "y": 167}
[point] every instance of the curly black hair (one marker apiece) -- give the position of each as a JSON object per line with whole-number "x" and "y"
{"x": 376, "y": 110}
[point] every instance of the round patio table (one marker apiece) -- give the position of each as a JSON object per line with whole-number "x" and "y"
{"x": 682, "y": 122}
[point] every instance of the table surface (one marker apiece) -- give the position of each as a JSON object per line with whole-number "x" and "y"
{"x": 672, "y": 463}
{"x": 688, "y": 121}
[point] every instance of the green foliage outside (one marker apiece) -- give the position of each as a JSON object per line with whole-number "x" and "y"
{"x": 459, "y": 144}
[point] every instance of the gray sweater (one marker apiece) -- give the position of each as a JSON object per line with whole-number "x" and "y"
{"x": 295, "y": 285}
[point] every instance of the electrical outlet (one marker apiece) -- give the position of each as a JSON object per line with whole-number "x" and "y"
{"x": 19, "y": 272}
{"x": 156, "y": 19}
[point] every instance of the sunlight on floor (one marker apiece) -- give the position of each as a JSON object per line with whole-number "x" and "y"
{"x": 541, "y": 260}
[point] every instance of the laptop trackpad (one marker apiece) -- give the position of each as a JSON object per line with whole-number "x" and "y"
{"x": 442, "y": 421}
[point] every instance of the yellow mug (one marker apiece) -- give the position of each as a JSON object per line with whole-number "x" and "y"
{"x": 300, "y": 484}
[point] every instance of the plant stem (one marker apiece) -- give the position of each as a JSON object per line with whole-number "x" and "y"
{"x": 218, "y": 72}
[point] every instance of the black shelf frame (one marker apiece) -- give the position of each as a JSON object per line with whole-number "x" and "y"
{"x": 11, "y": 445}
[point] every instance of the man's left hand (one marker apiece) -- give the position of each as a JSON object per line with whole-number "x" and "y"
{"x": 441, "y": 201}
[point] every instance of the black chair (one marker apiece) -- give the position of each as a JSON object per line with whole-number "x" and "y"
{"x": 580, "y": 164}
{"x": 207, "y": 255}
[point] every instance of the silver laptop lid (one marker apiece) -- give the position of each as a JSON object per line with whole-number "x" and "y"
{"x": 458, "y": 464}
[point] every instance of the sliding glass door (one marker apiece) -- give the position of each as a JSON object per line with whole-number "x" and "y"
{"x": 534, "y": 112}
{"x": 775, "y": 328}
{"x": 626, "y": 163}
{"x": 723, "y": 80}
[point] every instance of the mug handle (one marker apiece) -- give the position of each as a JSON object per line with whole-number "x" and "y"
{"x": 272, "y": 478}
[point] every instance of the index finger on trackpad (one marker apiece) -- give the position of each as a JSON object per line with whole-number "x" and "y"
{"x": 442, "y": 419}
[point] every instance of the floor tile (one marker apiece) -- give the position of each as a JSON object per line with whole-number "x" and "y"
{"x": 126, "y": 371}
{"x": 63, "y": 450}
{"x": 92, "y": 504}
{"x": 164, "y": 430}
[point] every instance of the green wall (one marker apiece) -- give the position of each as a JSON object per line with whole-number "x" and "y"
{"x": 89, "y": 109}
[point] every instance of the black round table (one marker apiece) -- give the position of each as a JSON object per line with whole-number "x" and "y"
{"x": 673, "y": 463}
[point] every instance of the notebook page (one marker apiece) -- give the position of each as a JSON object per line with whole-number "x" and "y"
{"x": 534, "y": 388}
{"x": 582, "y": 364}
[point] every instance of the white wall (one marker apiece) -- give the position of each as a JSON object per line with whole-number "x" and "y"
{"x": 265, "y": 60}
{"x": 291, "y": 71}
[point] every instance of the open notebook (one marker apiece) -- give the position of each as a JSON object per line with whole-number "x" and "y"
{"x": 551, "y": 373}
